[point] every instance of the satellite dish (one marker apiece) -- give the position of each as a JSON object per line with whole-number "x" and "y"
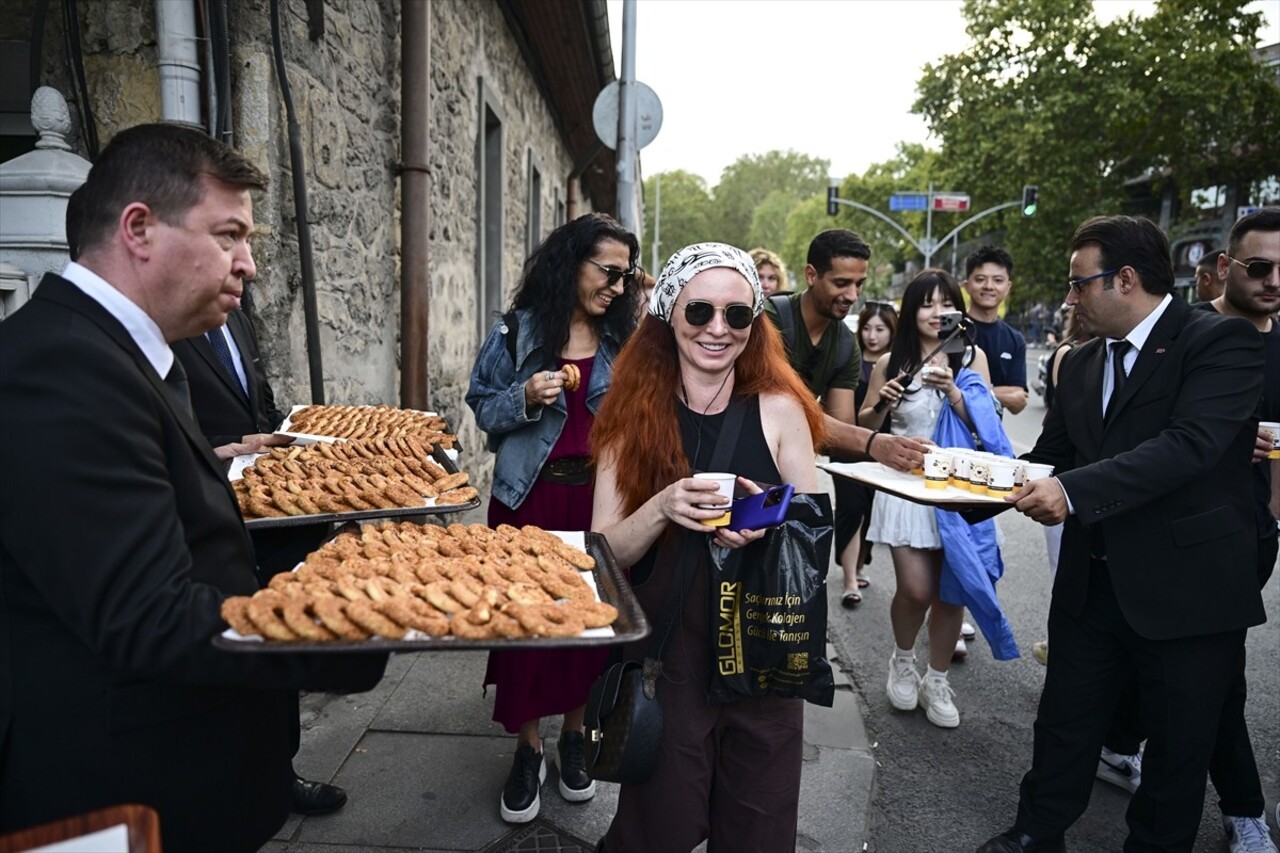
{"x": 604, "y": 115}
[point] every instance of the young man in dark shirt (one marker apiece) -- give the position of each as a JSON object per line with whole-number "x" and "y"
{"x": 988, "y": 275}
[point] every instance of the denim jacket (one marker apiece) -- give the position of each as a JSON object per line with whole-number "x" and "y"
{"x": 523, "y": 440}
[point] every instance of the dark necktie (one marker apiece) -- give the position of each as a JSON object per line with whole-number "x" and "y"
{"x": 1118, "y": 374}
{"x": 218, "y": 341}
{"x": 178, "y": 384}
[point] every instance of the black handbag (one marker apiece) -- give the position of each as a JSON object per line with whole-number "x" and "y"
{"x": 623, "y": 715}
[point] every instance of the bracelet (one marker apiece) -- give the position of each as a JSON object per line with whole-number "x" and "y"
{"x": 867, "y": 449}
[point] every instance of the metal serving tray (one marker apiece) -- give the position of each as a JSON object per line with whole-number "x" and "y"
{"x": 438, "y": 455}
{"x": 610, "y": 583}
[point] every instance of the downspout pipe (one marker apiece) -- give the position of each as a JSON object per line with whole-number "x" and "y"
{"x": 179, "y": 62}
{"x": 306, "y": 263}
{"x": 415, "y": 186}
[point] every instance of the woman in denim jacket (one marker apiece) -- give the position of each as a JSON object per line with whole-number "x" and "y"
{"x": 573, "y": 309}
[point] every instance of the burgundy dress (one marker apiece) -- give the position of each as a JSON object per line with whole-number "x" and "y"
{"x": 541, "y": 683}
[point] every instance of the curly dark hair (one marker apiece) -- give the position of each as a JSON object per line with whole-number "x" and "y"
{"x": 549, "y": 284}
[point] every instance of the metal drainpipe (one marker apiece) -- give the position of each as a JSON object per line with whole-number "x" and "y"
{"x": 415, "y": 201}
{"x": 179, "y": 62}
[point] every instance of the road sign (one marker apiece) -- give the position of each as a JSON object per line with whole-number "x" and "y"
{"x": 1244, "y": 210}
{"x": 909, "y": 201}
{"x": 604, "y": 114}
{"x": 958, "y": 202}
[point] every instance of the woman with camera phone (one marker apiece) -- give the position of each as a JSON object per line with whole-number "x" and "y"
{"x": 916, "y": 399}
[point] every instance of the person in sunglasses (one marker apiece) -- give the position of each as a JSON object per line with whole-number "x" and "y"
{"x": 537, "y": 385}
{"x": 730, "y": 772}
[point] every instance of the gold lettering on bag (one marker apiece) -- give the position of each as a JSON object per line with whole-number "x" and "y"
{"x": 728, "y": 637}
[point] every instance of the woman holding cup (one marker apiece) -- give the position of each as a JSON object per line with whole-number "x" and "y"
{"x": 731, "y": 772}
{"x": 943, "y": 393}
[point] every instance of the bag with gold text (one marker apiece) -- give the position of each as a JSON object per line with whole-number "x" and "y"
{"x": 769, "y": 610}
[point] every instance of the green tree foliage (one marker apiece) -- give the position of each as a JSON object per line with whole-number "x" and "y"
{"x": 752, "y": 179}
{"x": 1046, "y": 95}
{"x": 685, "y": 216}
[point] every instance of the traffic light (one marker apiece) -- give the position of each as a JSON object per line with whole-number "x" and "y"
{"x": 833, "y": 192}
{"x": 1029, "y": 196}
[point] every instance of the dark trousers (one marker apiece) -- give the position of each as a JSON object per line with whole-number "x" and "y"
{"x": 1181, "y": 685}
{"x": 1232, "y": 768}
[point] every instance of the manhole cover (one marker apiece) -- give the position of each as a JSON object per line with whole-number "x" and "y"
{"x": 540, "y": 837}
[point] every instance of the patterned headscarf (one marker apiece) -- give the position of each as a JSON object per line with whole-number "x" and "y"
{"x": 690, "y": 261}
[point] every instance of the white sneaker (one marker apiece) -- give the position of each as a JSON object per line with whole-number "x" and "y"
{"x": 904, "y": 683}
{"x": 1123, "y": 771}
{"x": 935, "y": 696}
{"x": 967, "y": 631}
{"x": 1247, "y": 834}
{"x": 962, "y": 650}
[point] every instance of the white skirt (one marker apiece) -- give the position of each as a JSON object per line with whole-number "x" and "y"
{"x": 896, "y": 522}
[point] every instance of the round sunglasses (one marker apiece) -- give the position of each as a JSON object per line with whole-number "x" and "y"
{"x": 699, "y": 313}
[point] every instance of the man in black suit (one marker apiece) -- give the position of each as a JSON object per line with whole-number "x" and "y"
{"x": 1151, "y": 435}
{"x": 236, "y": 410}
{"x": 119, "y": 534}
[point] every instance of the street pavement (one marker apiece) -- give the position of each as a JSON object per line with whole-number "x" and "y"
{"x": 424, "y": 766}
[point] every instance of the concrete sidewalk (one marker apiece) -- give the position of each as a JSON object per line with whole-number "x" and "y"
{"x": 424, "y": 768}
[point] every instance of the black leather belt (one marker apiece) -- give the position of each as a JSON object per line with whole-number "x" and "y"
{"x": 570, "y": 470}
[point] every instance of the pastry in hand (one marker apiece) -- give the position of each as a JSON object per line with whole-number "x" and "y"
{"x": 572, "y": 377}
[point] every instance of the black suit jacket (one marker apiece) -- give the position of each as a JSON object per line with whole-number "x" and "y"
{"x": 119, "y": 538}
{"x": 1166, "y": 479}
{"x": 224, "y": 413}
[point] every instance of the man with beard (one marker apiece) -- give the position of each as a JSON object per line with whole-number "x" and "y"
{"x": 824, "y": 351}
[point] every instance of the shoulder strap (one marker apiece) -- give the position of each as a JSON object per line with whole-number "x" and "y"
{"x": 693, "y": 541}
{"x": 786, "y": 320}
{"x": 512, "y": 321}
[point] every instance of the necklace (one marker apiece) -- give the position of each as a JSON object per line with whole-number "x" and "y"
{"x": 693, "y": 462}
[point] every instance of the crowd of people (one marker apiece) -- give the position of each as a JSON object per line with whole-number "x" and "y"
{"x": 132, "y": 375}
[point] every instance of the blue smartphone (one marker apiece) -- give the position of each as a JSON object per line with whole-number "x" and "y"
{"x": 767, "y": 509}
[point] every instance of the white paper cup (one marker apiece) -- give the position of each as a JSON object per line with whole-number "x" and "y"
{"x": 937, "y": 469}
{"x": 725, "y": 484}
{"x": 978, "y": 474}
{"x": 1037, "y": 470}
{"x": 1020, "y": 474}
{"x": 961, "y": 468}
{"x": 1274, "y": 429}
{"x": 1001, "y": 474}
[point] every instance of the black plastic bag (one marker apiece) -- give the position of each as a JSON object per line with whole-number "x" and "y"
{"x": 769, "y": 610}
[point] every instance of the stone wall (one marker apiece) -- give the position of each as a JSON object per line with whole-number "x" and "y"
{"x": 346, "y": 90}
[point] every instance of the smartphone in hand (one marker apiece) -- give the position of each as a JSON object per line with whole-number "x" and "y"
{"x": 767, "y": 509}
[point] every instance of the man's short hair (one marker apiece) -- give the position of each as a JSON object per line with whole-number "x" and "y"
{"x": 74, "y": 222}
{"x": 988, "y": 255}
{"x": 1266, "y": 219}
{"x": 159, "y": 165}
{"x": 1131, "y": 241}
{"x": 835, "y": 243}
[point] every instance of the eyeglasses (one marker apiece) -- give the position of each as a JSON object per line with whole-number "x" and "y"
{"x": 738, "y": 315}
{"x": 1077, "y": 284}
{"x": 612, "y": 274}
{"x": 1256, "y": 269}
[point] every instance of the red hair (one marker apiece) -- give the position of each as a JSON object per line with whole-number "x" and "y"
{"x": 638, "y": 425}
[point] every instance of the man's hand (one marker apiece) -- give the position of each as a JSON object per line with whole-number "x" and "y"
{"x": 1041, "y": 500}
{"x": 900, "y": 452}
{"x": 1262, "y": 445}
{"x": 251, "y": 444}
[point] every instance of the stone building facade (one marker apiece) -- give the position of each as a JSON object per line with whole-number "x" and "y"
{"x": 500, "y": 157}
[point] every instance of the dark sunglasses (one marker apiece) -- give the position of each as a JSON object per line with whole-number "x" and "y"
{"x": 737, "y": 315}
{"x": 1256, "y": 269}
{"x": 1077, "y": 284}
{"x": 612, "y": 274}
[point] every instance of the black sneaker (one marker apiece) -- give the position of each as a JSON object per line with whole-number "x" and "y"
{"x": 575, "y": 785}
{"x": 520, "y": 801}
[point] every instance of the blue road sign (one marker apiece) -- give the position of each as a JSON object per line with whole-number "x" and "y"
{"x": 909, "y": 201}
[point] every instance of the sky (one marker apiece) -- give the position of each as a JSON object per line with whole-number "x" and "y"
{"x": 724, "y": 72}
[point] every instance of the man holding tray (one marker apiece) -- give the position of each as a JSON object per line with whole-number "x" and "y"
{"x": 124, "y": 538}
{"x": 1151, "y": 435}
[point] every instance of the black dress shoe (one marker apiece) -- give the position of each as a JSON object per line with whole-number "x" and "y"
{"x": 1013, "y": 841}
{"x": 316, "y": 797}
